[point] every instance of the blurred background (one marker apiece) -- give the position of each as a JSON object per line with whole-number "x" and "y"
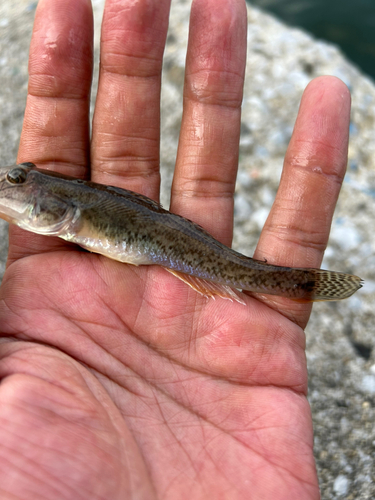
{"x": 347, "y": 23}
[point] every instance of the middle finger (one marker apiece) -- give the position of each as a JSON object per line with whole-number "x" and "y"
{"x": 207, "y": 156}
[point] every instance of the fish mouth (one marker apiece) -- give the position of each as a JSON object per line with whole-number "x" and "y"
{"x": 13, "y": 205}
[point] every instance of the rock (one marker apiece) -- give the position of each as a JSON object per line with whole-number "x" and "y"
{"x": 341, "y": 485}
{"x": 281, "y": 61}
{"x": 368, "y": 384}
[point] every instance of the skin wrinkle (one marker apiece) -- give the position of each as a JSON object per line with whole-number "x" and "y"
{"x": 216, "y": 102}
{"x": 110, "y": 69}
{"x": 61, "y": 452}
{"x": 200, "y": 188}
{"x": 63, "y": 141}
{"x": 46, "y": 475}
{"x": 212, "y": 74}
{"x": 274, "y": 462}
{"x": 18, "y": 251}
{"x": 252, "y": 376}
{"x": 108, "y": 284}
{"x": 146, "y": 166}
{"x": 172, "y": 433}
{"x": 298, "y": 389}
{"x": 201, "y": 93}
{"x": 205, "y": 449}
{"x": 54, "y": 97}
{"x": 212, "y": 376}
{"x": 28, "y": 335}
{"x": 225, "y": 47}
{"x": 195, "y": 138}
{"x": 121, "y": 361}
{"x": 199, "y": 417}
{"x": 50, "y": 85}
{"x": 200, "y": 167}
{"x": 116, "y": 35}
{"x": 158, "y": 389}
{"x": 131, "y": 11}
{"x": 96, "y": 343}
{"x": 116, "y": 32}
{"x": 19, "y": 316}
{"x": 118, "y": 138}
{"x": 71, "y": 56}
{"x": 174, "y": 362}
{"x": 310, "y": 155}
{"x": 294, "y": 310}
{"x": 78, "y": 433}
{"x": 147, "y": 171}
{"x": 122, "y": 47}
{"x": 283, "y": 235}
{"x": 78, "y": 171}
{"x": 290, "y": 472}
{"x": 58, "y": 50}
{"x": 30, "y": 476}
{"x": 309, "y": 167}
{"x": 204, "y": 178}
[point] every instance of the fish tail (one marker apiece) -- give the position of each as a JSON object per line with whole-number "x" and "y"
{"x": 329, "y": 285}
{"x": 299, "y": 284}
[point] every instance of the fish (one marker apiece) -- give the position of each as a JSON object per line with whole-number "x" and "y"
{"x": 131, "y": 228}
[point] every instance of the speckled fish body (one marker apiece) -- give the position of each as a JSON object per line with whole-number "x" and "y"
{"x": 131, "y": 228}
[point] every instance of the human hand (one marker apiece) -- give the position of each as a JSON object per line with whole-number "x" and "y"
{"x": 122, "y": 382}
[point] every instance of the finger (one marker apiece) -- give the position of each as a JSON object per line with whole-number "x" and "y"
{"x": 126, "y": 128}
{"x": 297, "y": 229}
{"x": 56, "y": 128}
{"x": 207, "y": 157}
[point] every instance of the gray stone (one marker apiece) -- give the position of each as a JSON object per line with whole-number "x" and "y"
{"x": 341, "y": 485}
{"x": 340, "y": 336}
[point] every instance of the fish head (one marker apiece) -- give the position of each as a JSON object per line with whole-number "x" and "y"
{"x": 27, "y": 200}
{"x": 16, "y": 194}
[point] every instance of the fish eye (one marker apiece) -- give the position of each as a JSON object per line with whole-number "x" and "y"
{"x": 16, "y": 175}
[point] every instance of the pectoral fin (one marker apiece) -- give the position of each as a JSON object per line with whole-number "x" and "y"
{"x": 207, "y": 288}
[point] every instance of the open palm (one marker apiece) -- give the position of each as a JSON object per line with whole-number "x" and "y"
{"x": 122, "y": 382}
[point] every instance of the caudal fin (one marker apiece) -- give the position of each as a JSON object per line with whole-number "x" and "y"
{"x": 331, "y": 285}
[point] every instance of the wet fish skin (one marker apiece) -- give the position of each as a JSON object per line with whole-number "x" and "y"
{"x": 131, "y": 228}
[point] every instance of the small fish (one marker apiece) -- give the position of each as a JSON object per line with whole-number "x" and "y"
{"x": 132, "y": 228}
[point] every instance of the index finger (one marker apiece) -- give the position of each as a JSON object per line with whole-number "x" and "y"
{"x": 56, "y": 127}
{"x": 297, "y": 229}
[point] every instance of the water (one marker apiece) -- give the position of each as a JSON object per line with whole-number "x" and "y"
{"x": 350, "y": 24}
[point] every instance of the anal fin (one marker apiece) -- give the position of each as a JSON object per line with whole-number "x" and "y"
{"x": 207, "y": 288}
